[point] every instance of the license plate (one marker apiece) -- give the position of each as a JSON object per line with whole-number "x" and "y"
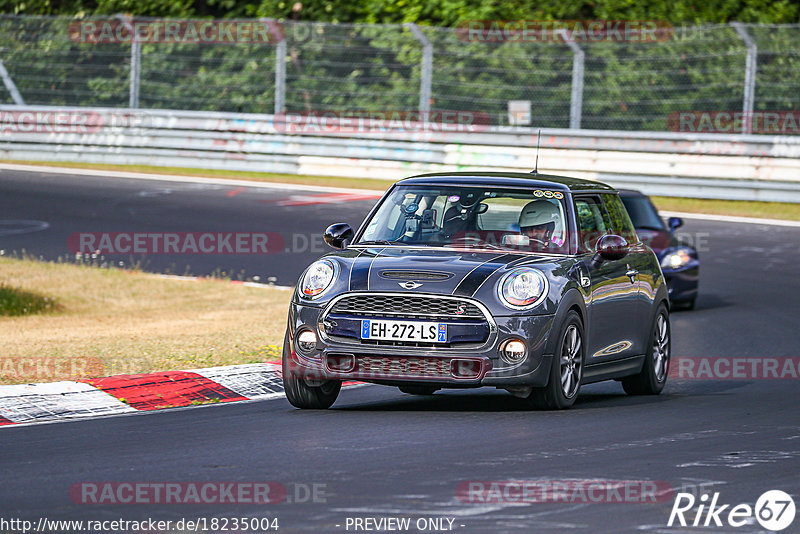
{"x": 404, "y": 331}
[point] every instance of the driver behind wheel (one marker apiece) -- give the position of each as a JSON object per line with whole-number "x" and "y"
{"x": 540, "y": 220}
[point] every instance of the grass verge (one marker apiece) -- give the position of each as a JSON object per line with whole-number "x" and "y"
{"x": 15, "y": 301}
{"x": 113, "y": 321}
{"x": 742, "y": 208}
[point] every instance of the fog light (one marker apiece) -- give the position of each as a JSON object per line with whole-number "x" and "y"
{"x": 307, "y": 341}
{"x": 513, "y": 351}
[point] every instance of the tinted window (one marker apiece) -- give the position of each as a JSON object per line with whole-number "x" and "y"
{"x": 619, "y": 218}
{"x": 593, "y": 221}
{"x": 642, "y": 213}
{"x": 472, "y": 217}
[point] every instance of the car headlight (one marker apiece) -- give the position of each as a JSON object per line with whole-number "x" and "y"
{"x": 522, "y": 288}
{"x": 318, "y": 278}
{"x": 676, "y": 259}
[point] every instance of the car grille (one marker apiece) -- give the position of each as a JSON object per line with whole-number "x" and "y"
{"x": 423, "y": 306}
{"x": 407, "y": 367}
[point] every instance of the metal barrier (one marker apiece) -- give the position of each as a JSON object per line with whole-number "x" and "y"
{"x": 556, "y": 76}
{"x": 747, "y": 167}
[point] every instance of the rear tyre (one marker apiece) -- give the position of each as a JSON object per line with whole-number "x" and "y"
{"x": 418, "y": 390}
{"x": 306, "y": 393}
{"x": 653, "y": 376}
{"x": 566, "y": 370}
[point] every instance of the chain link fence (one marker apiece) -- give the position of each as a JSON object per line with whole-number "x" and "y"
{"x": 311, "y": 67}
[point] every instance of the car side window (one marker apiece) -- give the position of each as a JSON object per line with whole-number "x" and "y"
{"x": 620, "y": 220}
{"x": 593, "y": 221}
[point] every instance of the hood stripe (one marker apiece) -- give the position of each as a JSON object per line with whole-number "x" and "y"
{"x": 475, "y": 279}
{"x": 359, "y": 272}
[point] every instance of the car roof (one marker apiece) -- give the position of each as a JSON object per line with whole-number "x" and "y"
{"x": 514, "y": 179}
{"x": 630, "y": 193}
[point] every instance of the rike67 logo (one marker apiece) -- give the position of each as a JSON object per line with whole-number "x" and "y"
{"x": 774, "y": 510}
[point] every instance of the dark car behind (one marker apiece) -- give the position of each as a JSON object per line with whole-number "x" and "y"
{"x": 679, "y": 260}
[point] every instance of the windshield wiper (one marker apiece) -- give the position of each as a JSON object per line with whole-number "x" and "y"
{"x": 490, "y": 246}
{"x": 377, "y": 242}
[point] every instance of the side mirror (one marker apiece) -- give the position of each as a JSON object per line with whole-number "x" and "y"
{"x": 338, "y": 235}
{"x": 674, "y": 223}
{"x": 612, "y": 247}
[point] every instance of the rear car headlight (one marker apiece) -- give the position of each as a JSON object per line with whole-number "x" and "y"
{"x": 318, "y": 278}
{"x": 676, "y": 259}
{"x": 522, "y": 288}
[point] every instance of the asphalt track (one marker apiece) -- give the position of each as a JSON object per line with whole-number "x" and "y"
{"x": 379, "y": 453}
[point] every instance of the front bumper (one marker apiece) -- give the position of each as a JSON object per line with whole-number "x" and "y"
{"x": 471, "y": 365}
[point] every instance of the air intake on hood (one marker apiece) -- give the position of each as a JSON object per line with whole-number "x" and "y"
{"x": 414, "y": 275}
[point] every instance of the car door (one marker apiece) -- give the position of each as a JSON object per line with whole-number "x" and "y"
{"x": 612, "y": 323}
{"x": 640, "y": 261}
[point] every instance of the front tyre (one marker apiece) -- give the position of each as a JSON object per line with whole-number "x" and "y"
{"x": 305, "y": 393}
{"x": 566, "y": 371}
{"x": 653, "y": 376}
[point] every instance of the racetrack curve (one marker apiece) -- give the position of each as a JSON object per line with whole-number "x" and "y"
{"x": 380, "y": 453}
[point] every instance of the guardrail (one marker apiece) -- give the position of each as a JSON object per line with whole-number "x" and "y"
{"x": 748, "y": 167}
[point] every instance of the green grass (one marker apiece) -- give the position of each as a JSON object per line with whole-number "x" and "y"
{"x": 16, "y": 302}
{"x": 743, "y": 208}
{"x": 108, "y": 321}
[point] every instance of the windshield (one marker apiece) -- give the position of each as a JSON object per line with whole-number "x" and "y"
{"x": 643, "y": 213}
{"x": 471, "y": 217}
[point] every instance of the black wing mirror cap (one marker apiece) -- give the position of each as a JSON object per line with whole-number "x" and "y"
{"x": 612, "y": 247}
{"x": 338, "y": 235}
{"x": 674, "y": 223}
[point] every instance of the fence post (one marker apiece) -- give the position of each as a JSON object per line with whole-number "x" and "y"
{"x": 576, "y": 95}
{"x": 280, "y": 77}
{"x": 426, "y": 69}
{"x": 136, "y": 67}
{"x": 280, "y": 63}
{"x": 136, "y": 62}
{"x": 748, "y": 103}
{"x": 10, "y": 85}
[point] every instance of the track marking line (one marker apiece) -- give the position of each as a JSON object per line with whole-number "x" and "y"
{"x": 731, "y": 218}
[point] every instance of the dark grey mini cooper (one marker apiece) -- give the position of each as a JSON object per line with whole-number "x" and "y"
{"x": 534, "y": 284}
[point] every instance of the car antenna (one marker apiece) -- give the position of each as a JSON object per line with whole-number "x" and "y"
{"x": 538, "y": 139}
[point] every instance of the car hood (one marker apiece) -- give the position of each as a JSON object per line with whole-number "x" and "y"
{"x": 432, "y": 271}
{"x": 444, "y": 271}
{"x": 658, "y": 240}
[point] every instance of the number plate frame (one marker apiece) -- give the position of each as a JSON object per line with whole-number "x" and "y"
{"x": 408, "y": 331}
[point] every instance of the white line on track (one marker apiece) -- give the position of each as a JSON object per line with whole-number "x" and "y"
{"x": 321, "y": 188}
{"x": 731, "y": 218}
{"x": 186, "y": 179}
